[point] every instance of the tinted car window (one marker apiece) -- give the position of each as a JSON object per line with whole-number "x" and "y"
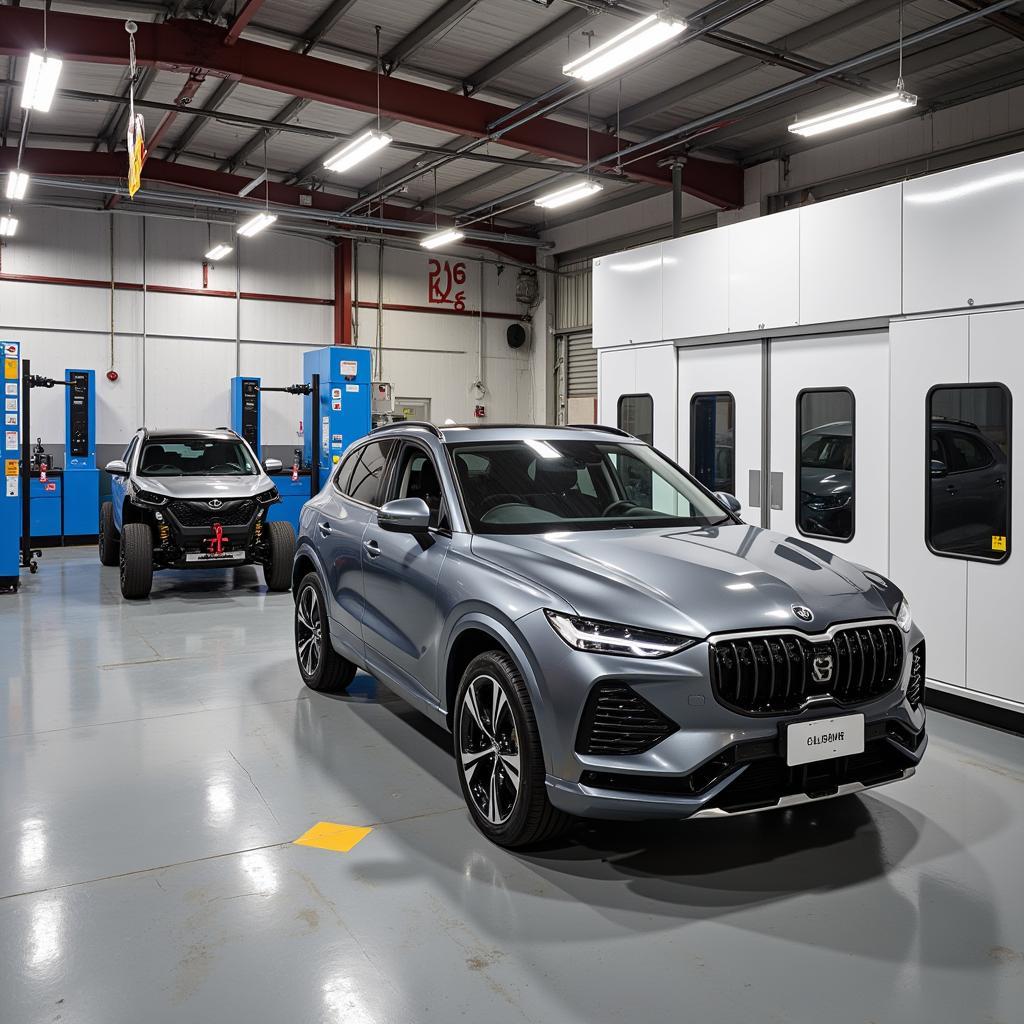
{"x": 713, "y": 441}
{"x": 344, "y": 474}
{"x": 826, "y": 474}
{"x": 636, "y": 416}
{"x": 968, "y": 513}
{"x": 367, "y": 472}
{"x": 417, "y": 478}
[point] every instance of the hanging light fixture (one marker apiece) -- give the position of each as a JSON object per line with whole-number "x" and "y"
{"x": 358, "y": 150}
{"x": 8, "y": 227}
{"x": 866, "y": 110}
{"x": 17, "y": 184}
{"x": 40, "y": 82}
{"x": 445, "y": 237}
{"x": 218, "y": 252}
{"x": 262, "y": 220}
{"x": 570, "y": 194}
{"x": 638, "y": 39}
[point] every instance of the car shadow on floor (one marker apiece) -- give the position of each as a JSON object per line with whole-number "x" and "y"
{"x": 654, "y": 875}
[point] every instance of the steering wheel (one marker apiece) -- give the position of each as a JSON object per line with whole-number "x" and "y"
{"x": 494, "y": 500}
{"x": 230, "y": 467}
{"x": 160, "y": 467}
{"x": 622, "y": 505}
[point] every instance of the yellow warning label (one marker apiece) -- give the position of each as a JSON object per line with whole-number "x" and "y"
{"x": 998, "y": 543}
{"x": 10, "y": 467}
{"x": 11, "y": 369}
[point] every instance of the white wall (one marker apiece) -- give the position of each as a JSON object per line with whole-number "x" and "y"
{"x": 196, "y": 342}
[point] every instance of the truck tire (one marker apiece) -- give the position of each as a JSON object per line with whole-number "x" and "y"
{"x": 109, "y": 541}
{"x": 136, "y": 561}
{"x": 278, "y": 572}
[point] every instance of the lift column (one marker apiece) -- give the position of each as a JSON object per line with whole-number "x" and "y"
{"x": 343, "y": 413}
{"x": 10, "y": 496}
{"x": 81, "y": 477}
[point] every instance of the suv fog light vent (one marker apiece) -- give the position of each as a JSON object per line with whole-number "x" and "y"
{"x": 617, "y": 720}
{"x": 915, "y": 687}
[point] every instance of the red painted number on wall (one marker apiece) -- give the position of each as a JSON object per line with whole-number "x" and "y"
{"x": 443, "y": 278}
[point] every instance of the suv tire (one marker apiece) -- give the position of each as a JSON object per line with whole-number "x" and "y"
{"x": 487, "y": 755}
{"x": 278, "y": 573}
{"x": 136, "y": 560}
{"x": 108, "y": 541}
{"x": 322, "y": 668}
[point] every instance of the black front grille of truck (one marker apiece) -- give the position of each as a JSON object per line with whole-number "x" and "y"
{"x": 199, "y": 513}
{"x": 915, "y": 687}
{"x": 617, "y": 720}
{"x": 768, "y": 675}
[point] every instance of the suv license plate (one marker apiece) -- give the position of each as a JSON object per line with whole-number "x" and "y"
{"x": 205, "y": 558}
{"x": 824, "y": 738}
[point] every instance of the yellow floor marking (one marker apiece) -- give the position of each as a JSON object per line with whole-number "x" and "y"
{"x": 327, "y": 835}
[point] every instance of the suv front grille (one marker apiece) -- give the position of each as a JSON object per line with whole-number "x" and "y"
{"x": 768, "y": 675}
{"x": 617, "y": 720}
{"x": 199, "y": 513}
{"x": 915, "y": 687}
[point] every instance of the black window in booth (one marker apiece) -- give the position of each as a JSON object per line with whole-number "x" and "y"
{"x": 368, "y": 471}
{"x": 826, "y": 485}
{"x": 968, "y": 506}
{"x": 636, "y": 416}
{"x": 713, "y": 441}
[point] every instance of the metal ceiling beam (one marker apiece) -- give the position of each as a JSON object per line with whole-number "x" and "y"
{"x": 531, "y": 45}
{"x": 1011, "y": 24}
{"x": 286, "y": 113}
{"x": 325, "y": 206}
{"x": 195, "y": 126}
{"x": 431, "y": 28}
{"x": 833, "y": 25}
{"x": 179, "y": 44}
{"x": 330, "y": 17}
{"x": 188, "y": 91}
{"x": 241, "y": 20}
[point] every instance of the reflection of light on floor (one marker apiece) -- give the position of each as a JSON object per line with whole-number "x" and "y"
{"x": 260, "y": 871}
{"x": 344, "y": 1003}
{"x": 220, "y": 803}
{"x": 33, "y": 845}
{"x": 44, "y": 934}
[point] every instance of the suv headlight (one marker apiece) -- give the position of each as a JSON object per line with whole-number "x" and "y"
{"x": 612, "y": 638}
{"x": 268, "y": 496}
{"x": 147, "y": 497}
{"x": 903, "y": 616}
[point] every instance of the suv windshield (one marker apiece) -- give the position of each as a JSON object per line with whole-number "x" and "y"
{"x": 534, "y": 486}
{"x": 195, "y": 456}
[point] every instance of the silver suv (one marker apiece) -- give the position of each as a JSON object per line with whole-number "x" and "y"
{"x": 603, "y": 636}
{"x": 192, "y": 499}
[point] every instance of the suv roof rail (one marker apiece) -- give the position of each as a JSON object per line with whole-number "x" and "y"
{"x": 600, "y": 426}
{"x": 958, "y": 422}
{"x": 422, "y": 424}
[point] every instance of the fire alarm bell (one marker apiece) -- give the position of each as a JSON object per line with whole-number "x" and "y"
{"x": 111, "y": 375}
{"x": 480, "y": 412}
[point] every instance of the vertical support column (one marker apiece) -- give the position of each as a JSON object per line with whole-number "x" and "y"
{"x": 343, "y": 292}
{"x": 677, "y": 197}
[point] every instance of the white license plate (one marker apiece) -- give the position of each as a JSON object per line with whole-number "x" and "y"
{"x": 824, "y": 738}
{"x": 205, "y": 558}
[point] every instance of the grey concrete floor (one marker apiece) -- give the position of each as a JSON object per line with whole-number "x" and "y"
{"x": 158, "y": 759}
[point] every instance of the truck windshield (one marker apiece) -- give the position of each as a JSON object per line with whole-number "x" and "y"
{"x": 536, "y": 486}
{"x": 195, "y": 456}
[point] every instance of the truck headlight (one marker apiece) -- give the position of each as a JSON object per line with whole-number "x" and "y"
{"x": 612, "y": 638}
{"x": 903, "y": 616}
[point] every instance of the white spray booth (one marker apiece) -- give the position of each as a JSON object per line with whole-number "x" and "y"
{"x": 848, "y": 369}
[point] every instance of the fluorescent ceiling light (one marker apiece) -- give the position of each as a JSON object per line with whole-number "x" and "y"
{"x": 569, "y": 194}
{"x": 17, "y": 183}
{"x": 877, "y": 107}
{"x": 969, "y": 188}
{"x": 442, "y": 238}
{"x": 40, "y": 82}
{"x": 254, "y": 225}
{"x": 357, "y": 150}
{"x": 645, "y": 35}
{"x": 218, "y": 252}
{"x": 8, "y": 227}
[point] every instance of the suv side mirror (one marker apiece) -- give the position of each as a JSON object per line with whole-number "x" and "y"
{"x": 938, "y": 468}
{"x": 117, "y": 468}
{"x": 404, "y": 515}
{"x": 730, "y": 501}
{"x": 272, "y": 465}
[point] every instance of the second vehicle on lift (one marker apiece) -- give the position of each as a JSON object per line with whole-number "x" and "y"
{"x": 192, "y": 499}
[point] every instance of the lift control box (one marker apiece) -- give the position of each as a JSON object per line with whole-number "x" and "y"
{"x": 81, "y": 478}
{"x": 10, "y": 496}
{"x": 345, "y": 399}
{"x": 245, "y": 410}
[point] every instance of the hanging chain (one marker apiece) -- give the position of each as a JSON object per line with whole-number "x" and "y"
{"x": 899, "y": 78}
{"x": 376, "y": 29}
{"x": 266, "y": 175}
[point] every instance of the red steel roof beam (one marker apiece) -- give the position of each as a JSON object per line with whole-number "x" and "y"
{"x": 179, "y": 45}
{"x": 245, "y": 15}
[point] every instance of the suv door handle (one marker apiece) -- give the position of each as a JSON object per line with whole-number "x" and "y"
{"x": 372, "y": 548}
{"x": 325, "y": 528}
{"x": 950, "y": 489}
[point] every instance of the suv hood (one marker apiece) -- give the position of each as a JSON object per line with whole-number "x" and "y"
{"x": 205, "y": 487}
{"x": 694, "y": 582}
